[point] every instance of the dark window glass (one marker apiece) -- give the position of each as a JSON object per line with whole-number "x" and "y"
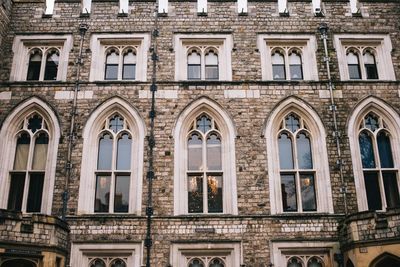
{"x": 195, "y": 193}
{"x": 129, "y": 66}
{"x": 196, "y": 263}
{"x": 195, "y": 152}
{"x": 35, "y": 123}
{"x": 214, "y": 189}
{"x": 102, "y": 198}
{"x": 372, "y": 189}
{"x": 35, "y": 63}
{"x": 18, "y": 263}
{"x": 98, "y": 263}
{"x": 370, "y": 66}
{"x": 214, "y": 152}
{"x": 124, "y": 152}
{"x": 22, "y": 151}
{"x": 315, "y": 262}
{"x": 35, "y": 192}
{"x": 16, "y": 193}
{"x": 294, "y": 262}
{"x": 194, "y": 65}
{"x": 308, "y": 192}
{"x": 391, "y": 189}
{"x": 216, "y": 263}
{"x": 121, "y": 197}
{"x": 367, "y": 151}
{"x": 288, "y": 187}
{"x": 353, "y": 65}
{"x": 295, "y": 66}
{"x": 371, "y": 122}
{"x": 278, "y": 66}
{"x": 211, "y": 60}
{"x": 40, "y": 152}
{"x": 50, "y": 72}
{"x": 385, "y": 150}
{"x": 285, "y": 151}
{"x": 203, "y": 124}
{"x": 111, "y": 69}
{"x": 118, "y": 263}
{"x": 105, "y": 152}
{"x": 116, "y": 123}
{"x": 304, "y": 155}
{"x": 292, "y": 123}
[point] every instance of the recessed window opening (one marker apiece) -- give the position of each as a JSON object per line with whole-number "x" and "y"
{"x": 129, "y": 65}
{"x": 353, "y": 65}
{"x": 111, "y": 66}
{"x": 194, "y": 65}
{"x": 211, "y": 59}
{"x": 371, "y": 70}
{"x": 278, "y": 66}
{"x": 295, "y": 66}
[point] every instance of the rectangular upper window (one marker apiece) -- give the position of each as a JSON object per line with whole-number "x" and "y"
{"x": 288, "y": 57}
{"x": 364, "y": 57}
{"x": 119, "y": 57}
{"x": 203, "y": 57}
{"x": 40, "y": 57}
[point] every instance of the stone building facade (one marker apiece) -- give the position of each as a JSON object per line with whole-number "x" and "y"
{"x": 276, "y": 138}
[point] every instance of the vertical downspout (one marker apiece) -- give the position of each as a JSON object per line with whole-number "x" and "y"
{"x": 151, "y": 141}
{"x": 71, "y": 135}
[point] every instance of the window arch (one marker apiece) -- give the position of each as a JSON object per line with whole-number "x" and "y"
{"x": 295, "y": 65}
{"x": 211, "y": 64}
{"x": 371, "y": 70}
{"x": 43, "y": 67}
{"x": 114, "y": 135}
{"x": 205, "y": 177}
{"x": 120, "y": 63}
{"x": 111, "y": 64}
{"x": 385, "y": 259}
{"x": 52, "y": 61}
{"x": 299, "y": 181}
{"x": 194, "y": 64}
{"x": 278, "y": 65}
{"x": 373, "y": 140}
{"x": 129, "y": 64}
{"x": 35, "y": 63}
{"x": 18, "y": 263}
{"x": 202, "y": 63}
{"x": 353, "y": 64}
{"x": 29, "y": 144}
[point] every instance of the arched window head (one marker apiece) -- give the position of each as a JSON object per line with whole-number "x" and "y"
{"x": 35, "y": 64}
{"x": 52, "y": 61}
{"x": 29, "y": 167}
{"x": 196, "y": 263}
{"x": 111, "y": 66}
{"x": 353, "y": 64}
{"x": 118, "y": 263}
{"x": 370, "y": 65}
{"x": 296, "y": 166}
{"x": 278, "y": 66}
{"x": 295, "y": 66}
{"x": 204, "y": 167}
{"x": 315, "y": 262}
{"x": 98, "y": 263}
{"x": 294, "y": 262}
{"x": 129, "y": 65}
{"x": 113, "y": 174}
{"x": 211, "y": 60}
{"x": 194, "y": 65}
{"x": 380, "y": 174}
{"x": 216, "y": 263}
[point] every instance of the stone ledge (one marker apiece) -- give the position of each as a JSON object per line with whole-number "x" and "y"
{"x": 68, "y": 95}
{"x": 5, "y": 95}
{"x": 166, "y": 94}
{"x": 242, "y": 93}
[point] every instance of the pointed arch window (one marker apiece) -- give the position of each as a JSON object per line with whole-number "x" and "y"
{"x": 35, "y": 63}
{"x": 371, "y": 70}
{"x": 296, "y": 166}
{"x": 111, "y": 66}
{"x": 129, "y": 65}
{"x": 194, "y": 65}
{"x": 278, "y": 66}
{"x": 379, "y": 171}
{"x": 43, "y": 67}
{"x": 29, "y": 167}
{"x": 52, "y": 61}
{"x": 114, "y": 164}
{"x": 108, "y": 262}
{"x": 211, "y": 60}
{"x": 204, "y": 167}
{"x": 295, "y": 66}
{"x": 206, "y": 262}
{"x": 353, "y": 64}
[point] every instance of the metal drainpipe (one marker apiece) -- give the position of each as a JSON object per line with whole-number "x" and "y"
{"x": 71, "y": 135}
{"x": 323, "y": 29}
{"x": 148, "y": 242}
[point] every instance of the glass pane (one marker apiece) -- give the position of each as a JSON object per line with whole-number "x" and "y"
{"x": 196, "y": 263}
{"x": 105, "y": 152}
{"x": 35, "y": 192}
{"x": 211, "y": 72}
{"x": 16, "y": 192}
{"x": 116, "y": 123}
{"x": 372, "y": 190}
{"x": 102, "y": 199}
{"x": 385, "y": 150}
{"x": 121, "y": 197}
{"x": 51, "y": 69}
{"x": 22, "y": 151}
{"x": 35, "y": 123}
{"x": 124, "y": 152}
{"x": 40, "y": 152}
{"x": 194, "y": 58}
{"x": 371, "y": 71}
{"x": 214, "y": 189}
{"x": 214, "y": 152}
{"x": 112, "y": 58}
{"x": 195, "y": 194}
{"x": 130, "y": 57}
{"x": 129, "y": 72}
{"x": 35, "y": 63}
{"x": 294, "y": 59}
{"x": 367, "y": 151}
{"x": 211, "y": 58}
{"x": 217, "y": 263}
{"x": 371, "y": 122}
{"x": 98, "y": 263}
{"x": 203, "y": 124}
{"x": 285, "y": 152}
{"x": 111, "y": 72}
{"x": 391, "y": 189}
{"x": 292, "y": 123}
{"x": 118, "y": 263}
{"x": 308, "y": 192}
{"x": 304, "y": 154}
{"x": 315, "y": 262}
{"x": 369, "y": 58}
{"x": 354, "y": 71}
{"x": 296, "y": 72}
{"x": 288, "y": 187}
{"x": 294, "y": 262}
{"x": 194, "y": 72}
{"x": 278, "y": 72}
{"x": 277, "y": 59}
{"x": 352, "y": 58}
{"x": 195, "y": 152}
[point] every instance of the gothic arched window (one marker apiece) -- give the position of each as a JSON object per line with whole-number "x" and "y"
{"x": 129, "y": 65}
{"x": 194, "y": 65}
{"x": 35, "y": 63}
{"x": 353, "y": 64}
{"x": 295, "y": 66}
{"x": 278, "y": 66}
{"x": 52, "y": 61}
{"x": 111, "y": 66}
{"x": 211, "y": 65}
{"x": 371, "y": 69}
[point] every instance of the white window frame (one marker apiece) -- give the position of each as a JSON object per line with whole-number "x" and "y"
{"x": 223, "y": 43}
{"x": 99, "y": 43}
{"x": 87, "y": 188}
{"x": 80, "y": 252}
{"x": 323, "y": 192}
{"x": 228, "y": 135}
{"x": 242, "y": 6}
{"x": 123, "y": 7}
{"x": 8, "y": 145}
{"x": 392, "y": 119}
{"x": 202, "y": 6}
{"x": 281, "y": 250}
{"x": 162, "y": 6}
{"x": 24, "y": 43}
{"x": 380, "y": 43}
{"x": 179, "y": 252}
{"x": 306, "y": 44}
